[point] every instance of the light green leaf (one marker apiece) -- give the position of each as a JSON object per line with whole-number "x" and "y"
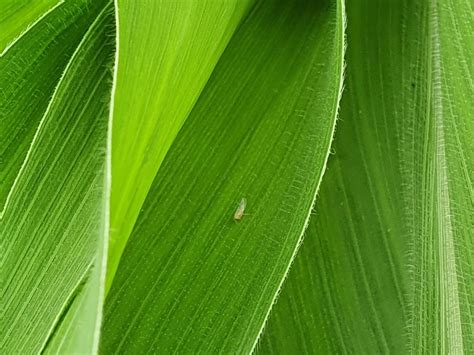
{"x": 56, "y": 220}
{"x": 167, "y": 51}
{"x": 387, "y": 263}
{"x": 192, "y": 279}
{"x": 17, "y": 15}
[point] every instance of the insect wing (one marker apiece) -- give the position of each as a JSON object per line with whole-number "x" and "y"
{"x": 239, "y": 212}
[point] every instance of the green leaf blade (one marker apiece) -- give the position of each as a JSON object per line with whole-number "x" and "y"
{"x": 442, "y": 312}
{"x": 192, "y": 279}
{"x": 56, "y": 220}
{"x": 25, "y": 94}
{"x": 387, "y": 261}
{"x": 167, "y": 51}
{"x": 17, "y": 15}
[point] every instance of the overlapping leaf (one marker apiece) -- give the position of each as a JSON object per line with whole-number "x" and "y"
{"x": 55, "y": 225}
{"x": 191, "y": 278}
{"x": 387, "y": 265}
{"x": 29, "y": 72}
{"x": 167, "y": 51}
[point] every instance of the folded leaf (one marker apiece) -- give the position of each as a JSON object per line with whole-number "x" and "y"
{"x": 56, "y": 221}
{"x": 202, "y": 268}
{"x": 387, "y": 265}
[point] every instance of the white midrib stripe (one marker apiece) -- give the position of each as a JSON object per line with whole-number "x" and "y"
{"x": 450, "y": 322}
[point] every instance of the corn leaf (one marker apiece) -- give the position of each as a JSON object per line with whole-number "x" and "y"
{"x": 30, "y": 70}
{"x": 55, "y": 224}
{"x": 17, "y": 15}
{"x": 167, "y": 51}
{"x": 387, "y": 263}
{"x": 194, "y": 278}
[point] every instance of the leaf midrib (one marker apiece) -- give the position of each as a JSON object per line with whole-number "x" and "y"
{"x": 450, "y": 305}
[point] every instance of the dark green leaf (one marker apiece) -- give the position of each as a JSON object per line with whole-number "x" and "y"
{"x": 387, "y": 265}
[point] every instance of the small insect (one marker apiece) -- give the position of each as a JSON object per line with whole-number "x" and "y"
{"x": 239, "y": 212}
